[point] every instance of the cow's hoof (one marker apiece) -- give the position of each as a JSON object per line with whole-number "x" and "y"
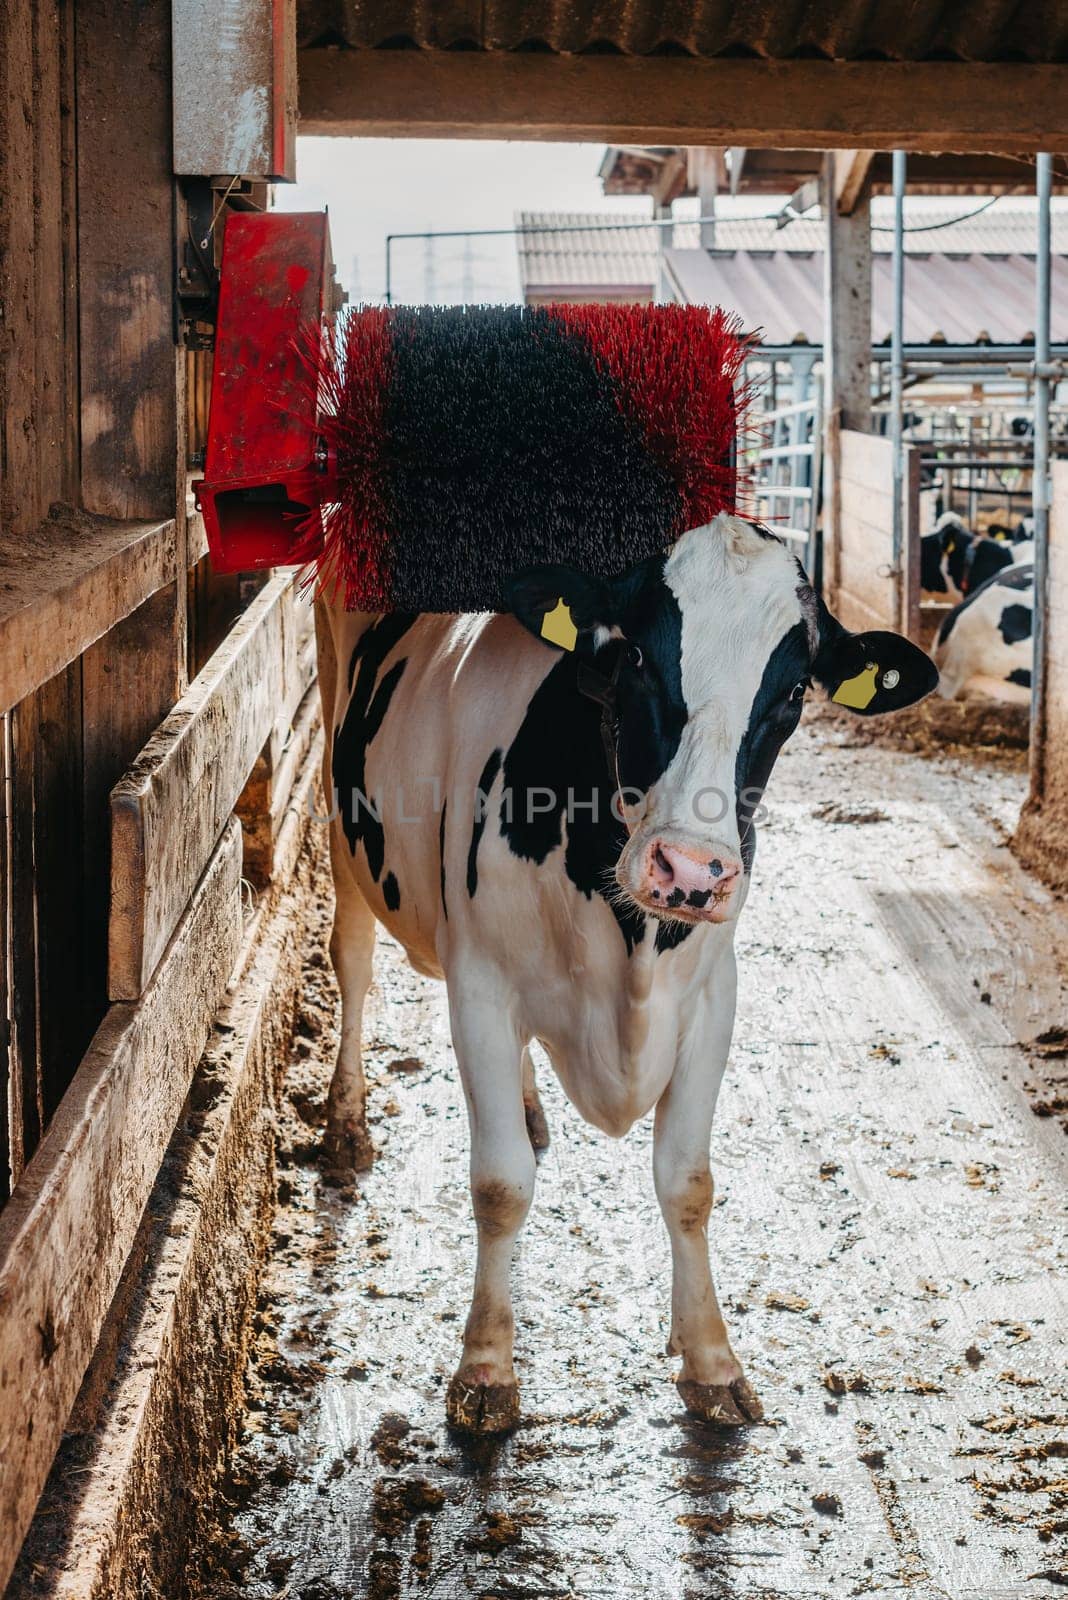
{"x": 726, "y": 1405}
{"x": 478, "y": 1407}
{"x": 347, "y": 1146}
{"x": 537, "y": 1125}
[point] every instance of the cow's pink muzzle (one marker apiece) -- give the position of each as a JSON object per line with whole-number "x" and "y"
{"x": 695, "y": 884}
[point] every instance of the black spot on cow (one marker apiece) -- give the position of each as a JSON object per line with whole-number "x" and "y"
{"x": 1014, "y": 624}
{"x": 558, "y": 751}
{"x": 485, "y": 784}
{"x": 391, "y": 892}
{"x": 1021, "y": 676}
{"x": 441, "y": 855}
{"x": 368, "y": 703}
{"x": 557, "y": 766}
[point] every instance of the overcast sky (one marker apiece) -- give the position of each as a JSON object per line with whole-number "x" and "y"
{"x": 378, "y": 186}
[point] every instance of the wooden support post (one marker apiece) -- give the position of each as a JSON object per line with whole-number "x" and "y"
{"x": 1042, "y": 836}
{"x": 846, "y": 348}
{"x": 704, "y": 171}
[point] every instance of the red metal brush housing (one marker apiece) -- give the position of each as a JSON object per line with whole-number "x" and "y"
{"x": 266, "y": 470}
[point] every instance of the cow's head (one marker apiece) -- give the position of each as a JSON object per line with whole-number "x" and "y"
{"x": 706, "y": 655}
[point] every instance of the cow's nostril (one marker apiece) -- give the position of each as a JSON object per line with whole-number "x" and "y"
{"x": 661, "y": 862}
{"x": 715, "y": 867}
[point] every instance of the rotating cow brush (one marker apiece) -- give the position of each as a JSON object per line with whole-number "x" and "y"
{"x": 431, "y": 452}
{"x": 469, "y": 443}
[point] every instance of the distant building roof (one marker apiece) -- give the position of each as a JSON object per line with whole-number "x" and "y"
{"x": 949, "y": 299}
{"x": 972, "y": 282}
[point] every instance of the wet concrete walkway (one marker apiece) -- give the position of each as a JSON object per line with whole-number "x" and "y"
{"x": 889, "y": 1240}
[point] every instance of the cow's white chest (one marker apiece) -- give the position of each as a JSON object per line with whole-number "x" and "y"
{"x": 611, "y": 1022}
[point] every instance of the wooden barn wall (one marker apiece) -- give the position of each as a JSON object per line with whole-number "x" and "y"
{"x": 40, "y": 853}
{"x": 90, "y": 395}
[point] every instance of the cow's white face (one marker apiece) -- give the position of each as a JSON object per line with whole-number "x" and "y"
{"x": 746, "y": 642}
{"x": 709, "y": 652}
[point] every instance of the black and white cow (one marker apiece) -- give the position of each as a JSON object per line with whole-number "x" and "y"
{"x": 566, "y": 836}
{"x": 990, "y": 634}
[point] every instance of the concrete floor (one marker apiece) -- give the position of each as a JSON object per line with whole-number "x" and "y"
{"x": 889, "y": 1239}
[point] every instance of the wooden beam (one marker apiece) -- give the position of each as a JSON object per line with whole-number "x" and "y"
{"x": 66, "y": 1232}
{"x": 64, "y": 585}
{"x": 847, "y": 337}
{"x": 170, "y": 808}
{"x": 851, "y": 168}
{"x": 929, "y": 105}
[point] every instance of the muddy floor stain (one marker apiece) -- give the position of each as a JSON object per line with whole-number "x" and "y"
{"x": 888, "y": 1237}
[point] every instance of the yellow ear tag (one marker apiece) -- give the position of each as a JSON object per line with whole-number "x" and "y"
{"x": 950, "y": 547}
{"x": 858, "y": 692}
{"x": 558, "y": 628}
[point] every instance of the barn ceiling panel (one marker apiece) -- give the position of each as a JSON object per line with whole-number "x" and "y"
{"x": 851, "y": 30}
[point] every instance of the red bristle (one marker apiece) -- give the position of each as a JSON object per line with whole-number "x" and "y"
{"x": 678, "y": 382}
{"x": 354, "y": 379}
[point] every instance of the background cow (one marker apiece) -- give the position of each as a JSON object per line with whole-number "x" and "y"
{"x": 954, "y": 561}
{"x": 990, "y": 634}
{"x": 564, "y": 831}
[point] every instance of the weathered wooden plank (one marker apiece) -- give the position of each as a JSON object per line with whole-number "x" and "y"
{"x": 670, "y": 100}
{"x": 67, "y": 1016}
{"x": 266, "y": 797}
{"x": 26, "y": 1103}
{"x": 129, "y": 684}
{"x": 5, "y": 1027}
{"x": 169, "y": 809}
{"x": 67, "y": 1230}
{"x": 129, "y": 412}
{"x": 62, "y": 587}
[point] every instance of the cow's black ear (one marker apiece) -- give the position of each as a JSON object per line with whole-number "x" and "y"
{"x": 871, "y": 673}
{"x": 556, "y": 604}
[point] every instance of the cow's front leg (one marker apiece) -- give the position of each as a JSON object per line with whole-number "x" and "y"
{"x": 711, "y": 1382}
{"x": 483, "y": 1396}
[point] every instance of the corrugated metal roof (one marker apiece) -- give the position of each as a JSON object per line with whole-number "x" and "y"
{"x": 919, "y": 30}
{"x": 948, "y": 299}
{"x": 599, "y": 253}
{"x": 585, "y": 252}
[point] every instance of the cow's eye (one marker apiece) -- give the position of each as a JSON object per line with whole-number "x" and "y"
{"x": 797, "y": 693}
{"x": 635, "y": 658}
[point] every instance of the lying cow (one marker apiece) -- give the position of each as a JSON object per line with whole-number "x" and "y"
{"x": 563, "y": 829}
{"x": 990, "y": 634}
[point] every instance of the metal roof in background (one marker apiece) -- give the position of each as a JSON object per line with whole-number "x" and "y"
{"x": 848, "y": 30}
{"x": 956, "y": 300}
{"x": 970, "y": 283}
